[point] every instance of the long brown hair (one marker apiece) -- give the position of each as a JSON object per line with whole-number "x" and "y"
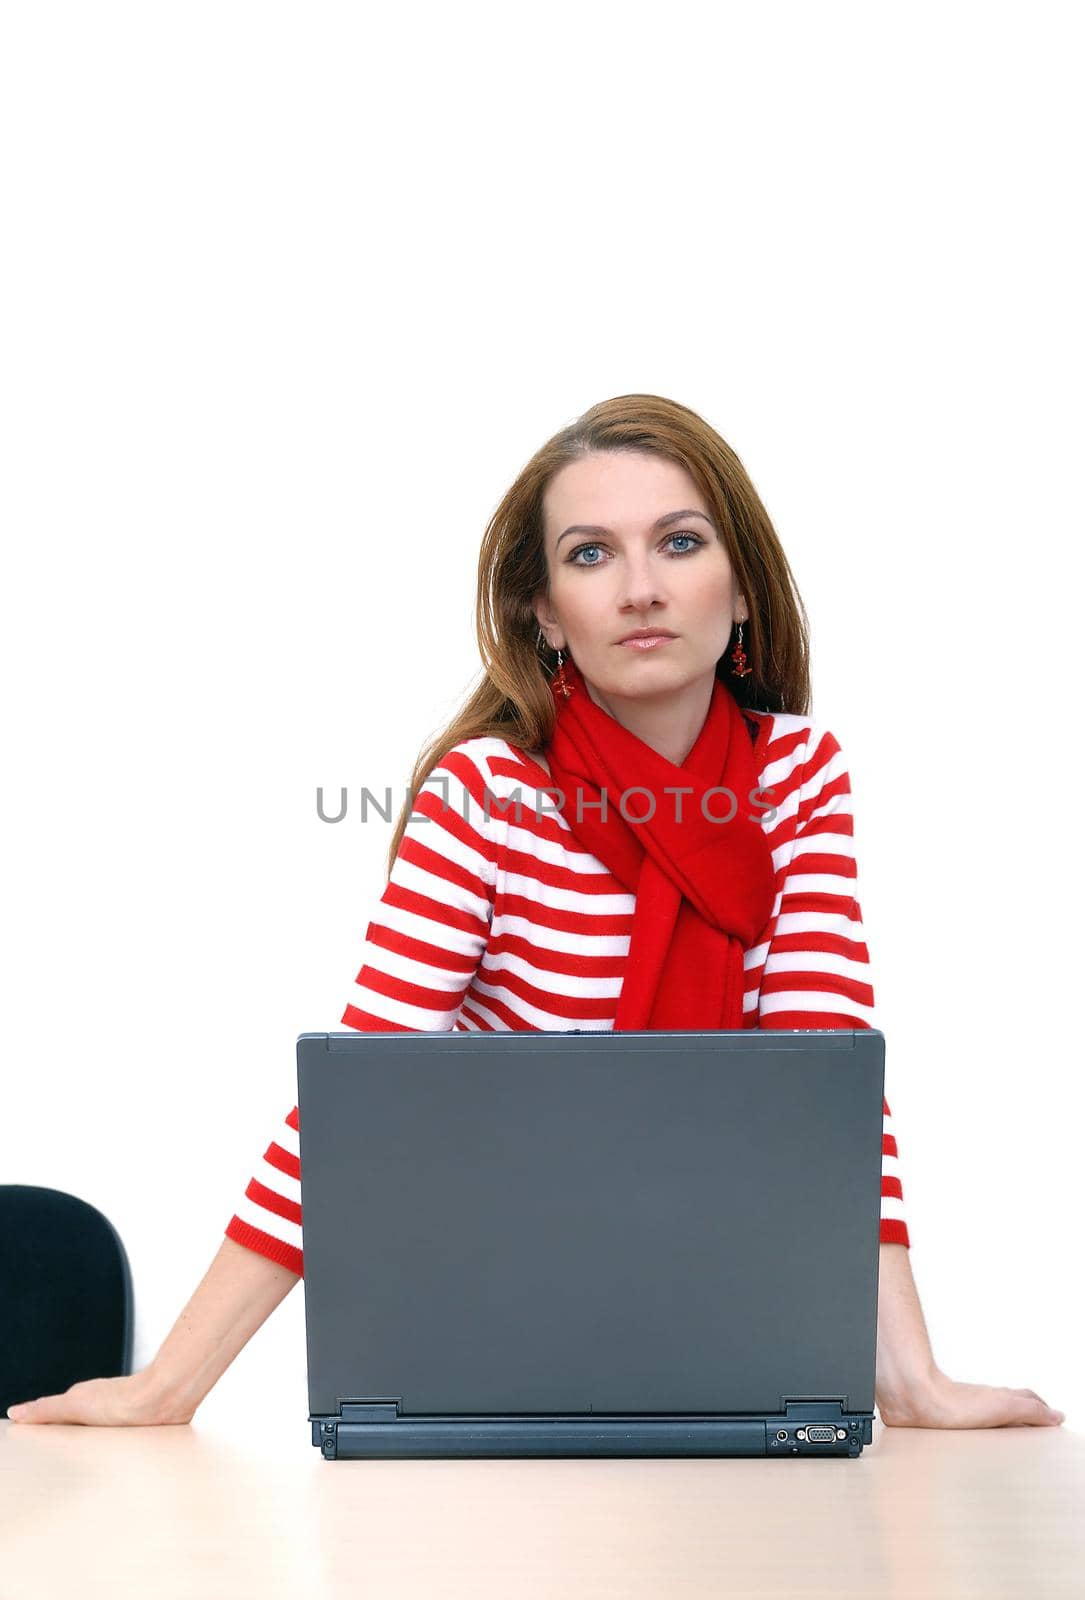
{"x": 513, "y": 701}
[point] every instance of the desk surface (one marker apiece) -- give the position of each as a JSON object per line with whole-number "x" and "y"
{"x": 203, "y": 1511}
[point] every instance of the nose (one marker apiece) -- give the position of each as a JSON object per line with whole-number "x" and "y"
{"x": 641, "y": 586}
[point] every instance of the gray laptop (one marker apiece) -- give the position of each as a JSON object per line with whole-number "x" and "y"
{"x": 591, "y": 1244}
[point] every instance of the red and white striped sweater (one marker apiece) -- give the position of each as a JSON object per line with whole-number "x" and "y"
{"x": 494, "y": 921}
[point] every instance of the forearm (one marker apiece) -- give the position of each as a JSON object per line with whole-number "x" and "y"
{"x": 238, "y": 1293}
{"x": 905, "y": 1361}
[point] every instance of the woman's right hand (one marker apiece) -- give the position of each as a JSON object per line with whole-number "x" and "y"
{"x": 135, "y": 1401}
{"x": 237, "y": 1293}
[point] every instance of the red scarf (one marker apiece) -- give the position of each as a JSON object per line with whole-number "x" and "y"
{"x": 704, "y": 889}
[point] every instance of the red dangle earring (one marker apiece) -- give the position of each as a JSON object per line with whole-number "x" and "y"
{"x": 738, "y": 657}
{"x": 558, "y": 683}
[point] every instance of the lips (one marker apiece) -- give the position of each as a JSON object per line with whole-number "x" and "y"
{"x": 651, "y": 633}
{"x": 645, "y": 642}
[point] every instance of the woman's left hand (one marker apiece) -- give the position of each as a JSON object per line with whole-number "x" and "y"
{"x": 943, "y": 1403}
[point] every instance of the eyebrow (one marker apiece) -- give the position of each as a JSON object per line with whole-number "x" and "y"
{"x": 661, "y": 522}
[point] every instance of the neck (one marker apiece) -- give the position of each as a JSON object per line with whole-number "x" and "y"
{"x": 668, "y": 723}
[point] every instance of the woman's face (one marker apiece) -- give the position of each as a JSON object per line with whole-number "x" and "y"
{"x": 614, "y": 565}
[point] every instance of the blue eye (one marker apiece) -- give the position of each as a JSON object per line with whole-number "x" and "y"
{"x": 697, "y": 540}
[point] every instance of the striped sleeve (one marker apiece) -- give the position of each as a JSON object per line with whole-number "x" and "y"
{"x": 817, "y": 969}
{"x": 422, "y": 948}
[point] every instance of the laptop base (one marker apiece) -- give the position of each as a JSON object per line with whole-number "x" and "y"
{"x": 377, "y": 1432}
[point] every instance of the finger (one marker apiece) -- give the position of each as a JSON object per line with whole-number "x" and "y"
{"x": 44, "y": 1409}
{"x": 1054, "y": 1412}
{"x": 1037, "y": 1413}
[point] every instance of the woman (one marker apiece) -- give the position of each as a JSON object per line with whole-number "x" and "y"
{"x": 595, "y": 902}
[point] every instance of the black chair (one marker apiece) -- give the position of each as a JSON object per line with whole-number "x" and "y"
{"x": 66, "y": 1294}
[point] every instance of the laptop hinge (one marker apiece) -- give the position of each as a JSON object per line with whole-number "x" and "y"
{"x": 814, "y": 1407}
{"x": 369, "y": 1410}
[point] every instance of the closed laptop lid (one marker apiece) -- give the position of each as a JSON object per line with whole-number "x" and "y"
{"x": 533, "y": 1223}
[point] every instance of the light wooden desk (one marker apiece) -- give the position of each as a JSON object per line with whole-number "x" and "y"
{"x": 202, "y": 1511}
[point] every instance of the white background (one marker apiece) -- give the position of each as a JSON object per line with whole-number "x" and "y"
{"x": 291, "y": 293}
